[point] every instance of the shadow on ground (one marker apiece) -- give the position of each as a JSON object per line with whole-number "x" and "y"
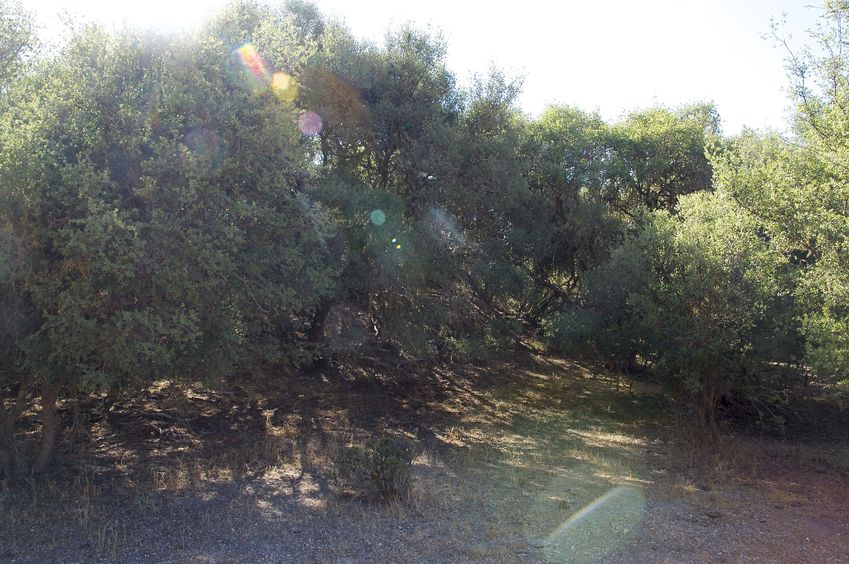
{"x": 538, "y": 460}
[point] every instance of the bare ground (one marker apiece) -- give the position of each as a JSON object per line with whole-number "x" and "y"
{"x": 534, "y": 461}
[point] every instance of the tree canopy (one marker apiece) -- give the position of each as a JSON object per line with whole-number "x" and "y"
{"x": 270, "y": 192}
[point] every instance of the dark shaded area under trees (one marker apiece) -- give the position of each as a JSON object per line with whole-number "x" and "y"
{"x": 271, "y": 192}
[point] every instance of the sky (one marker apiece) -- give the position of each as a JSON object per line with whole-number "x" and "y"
{"x": 610, "y": 56}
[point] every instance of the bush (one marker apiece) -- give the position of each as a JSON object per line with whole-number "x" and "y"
{"x": 380, "y": 469}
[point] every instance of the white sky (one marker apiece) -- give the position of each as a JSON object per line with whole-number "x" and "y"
{"x": 612, "y": 56}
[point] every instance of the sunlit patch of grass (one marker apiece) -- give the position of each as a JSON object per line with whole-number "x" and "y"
{"x": 781, "y": 497}
{"x": 172, "y": 478}
{"x": 603, "y": 439}
{"x": 453, "y": 436}
{"x": 564, "y": 439}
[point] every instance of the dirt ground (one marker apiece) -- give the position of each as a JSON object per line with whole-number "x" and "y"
{"x": 534, "y": 461}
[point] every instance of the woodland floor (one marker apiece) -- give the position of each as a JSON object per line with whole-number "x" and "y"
{"x": 538, "y": 460}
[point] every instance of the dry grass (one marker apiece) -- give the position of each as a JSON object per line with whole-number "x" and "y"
{"x": 505, "y": 458}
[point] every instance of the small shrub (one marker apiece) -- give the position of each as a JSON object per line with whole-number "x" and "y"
{"x": 476, "y": 348}
{"x": 380, "y": 469}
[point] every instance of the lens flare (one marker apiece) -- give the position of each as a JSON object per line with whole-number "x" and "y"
{"x": 284, "y": 86}
{"x": 598, "y": 528}
{"x": 377, "y": 217}
{"x": 342, "y": 105}
{"x": 445, "y": 229}
{"x": 253, "y": 62}
{"x": 309, "y": 123}
{"x": 205, "y": 148}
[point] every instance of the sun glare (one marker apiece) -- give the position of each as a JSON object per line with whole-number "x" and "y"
{"x": 163, "y": 15}
{"x": 717, "y": 54}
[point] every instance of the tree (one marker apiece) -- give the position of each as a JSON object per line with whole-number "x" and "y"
{"x": 692, "y": 295}
{"x": 17, "y": 39}
{"x": 660, "y": 156}
{"x": 387, "y": 150}
{"x": 386, "y": 112}
{"x": 592, "y": 180}
{"x": 155, "y": 229}
{"x": 798, "y": 188}
{"x": 485, "y": 217}
{"x": 568, "y": 159}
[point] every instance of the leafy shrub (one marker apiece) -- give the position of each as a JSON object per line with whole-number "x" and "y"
{"x": 379, "y": 469}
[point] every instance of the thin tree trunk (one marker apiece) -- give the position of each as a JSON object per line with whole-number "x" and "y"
{"x": 50, "y": 424}
{"x": 707, "y": 411}
{"x": 8, "y": 452}
{"x": 8, "y": 447}
{"x": 316, "y": 331}
{"x": 315, "y": 336}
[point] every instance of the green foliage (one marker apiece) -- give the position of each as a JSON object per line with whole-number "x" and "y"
{"x": 381, "y": 468}
{"x": 659, "y": 155}
{"x": 480, "y": 347}
{"x": 172, "y": 187}
{"x": 820, "y": 193}
{"x": 395, "y": 142}
{"x": 161, "y": 215}
{"x": 590, "y": 180}
{"x": 387, "y": 112}
{"x": 567, "y": 154}
{"x": 798, "y": 190}
{"x": 689, "y": 293}
{"x": 151, "y": 222}
{"x": 17, "y": 39}
{"x": 727, "y": 289}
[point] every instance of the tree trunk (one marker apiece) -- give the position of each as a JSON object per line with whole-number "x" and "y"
{"x": 316, "y": 331}
{"x": 8, "y": 447}
{"x": 8, "y": 452}
{"x": 707, "y": 411}
{"x": 50, "y": 424}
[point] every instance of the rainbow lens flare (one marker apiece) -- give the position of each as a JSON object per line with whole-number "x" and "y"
{"x": 253, "y": 62}
{"x": 597, "y": 529}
